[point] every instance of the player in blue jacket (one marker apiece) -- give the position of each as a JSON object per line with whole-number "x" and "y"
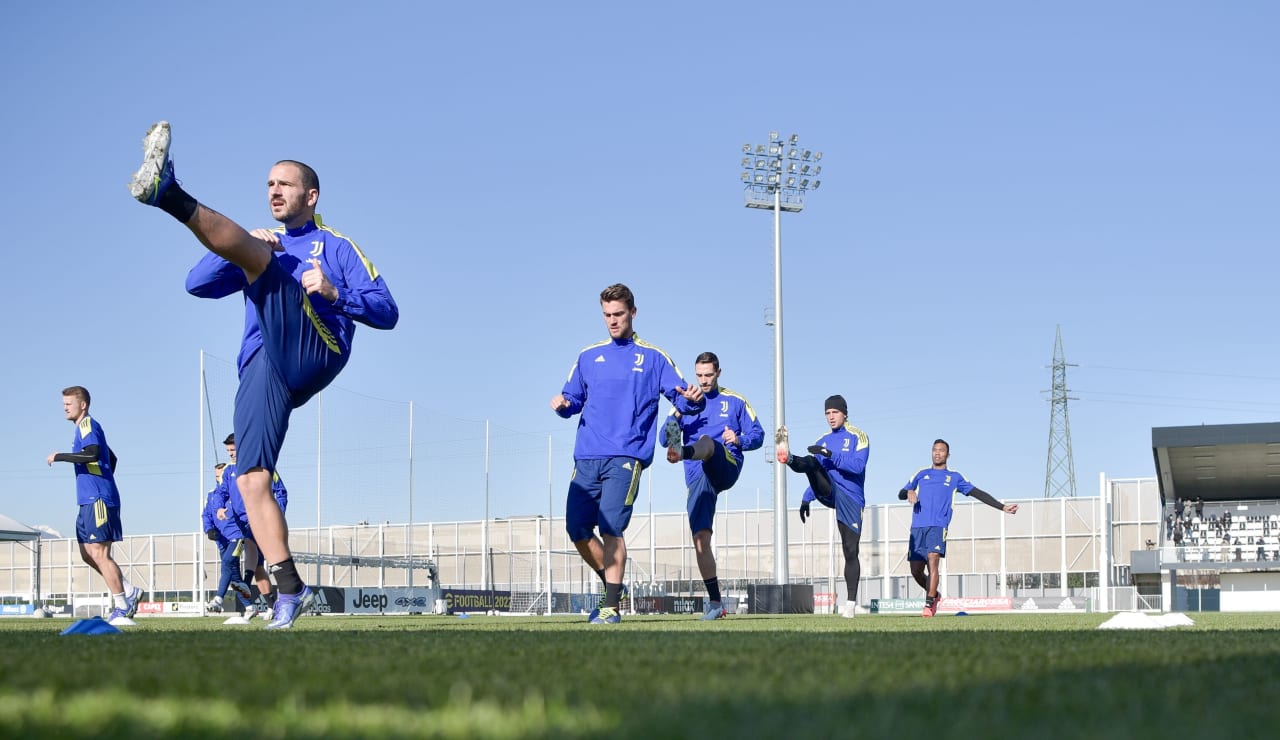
{"x": 98, "y": 524}
{"x": 226, "y": 535}
{"x": 712, "y": 444}
{"x": 931, "y": 492}
{"x": 837, "y": 468}
{"x": 305, "y": 286}
{"x": 233, "y": 512}
{"x": 615, "y": 386}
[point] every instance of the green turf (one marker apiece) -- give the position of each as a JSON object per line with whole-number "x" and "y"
{"x": 990, "y": 676}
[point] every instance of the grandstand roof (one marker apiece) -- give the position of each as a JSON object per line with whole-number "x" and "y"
{"x": 14, "y": 530}
{"x": 1224, "y": 462}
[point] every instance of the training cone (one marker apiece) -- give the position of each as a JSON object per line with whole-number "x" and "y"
{"x": 91, "y": 626}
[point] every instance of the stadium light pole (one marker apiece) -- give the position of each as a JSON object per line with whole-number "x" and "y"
{"x": 775, "y": 177}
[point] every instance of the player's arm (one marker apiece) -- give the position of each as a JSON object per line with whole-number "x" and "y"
{"x": 214, "y": 277}
{"x": 573, "y": 395}
{"x": 88, "y": 454}
{"x": 685, "y": 397}
{"x": 364, "y": 295}
{"x": 750, "y": 433}
{"x": 990, "y": 500}
{"x": 911, "y": 491}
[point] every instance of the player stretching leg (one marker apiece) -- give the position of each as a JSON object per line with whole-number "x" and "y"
{"x": 714, "y": 442}
{"x": 305, "y": 285}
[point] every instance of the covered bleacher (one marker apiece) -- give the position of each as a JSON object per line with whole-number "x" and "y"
{"x": 1220, "y": 505}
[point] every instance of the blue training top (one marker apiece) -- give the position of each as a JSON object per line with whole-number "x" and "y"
{"x": 936, "y": 488}
{"x": 362, "y": 293}
{"x": 615, "y": 385}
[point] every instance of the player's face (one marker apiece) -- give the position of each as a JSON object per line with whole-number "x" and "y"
{"x": 231, "y": 452}
{"x": 291, "y": 203}
{"x": 940, "y": 455}
{"x": 618, "y": 318}
{"x": 835, "y": 418}
{"x": 73, "y": 407}
{"x": 707, "y": 376}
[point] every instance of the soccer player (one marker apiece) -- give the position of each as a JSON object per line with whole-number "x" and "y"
{"x": 930, "y": 493}
{"x": 233, "y": 512}
{"x": 837, "y": 468}
{"x": 615, "y": 385}
{"x": 305, "y": 285}
{"x": 98, "y": 524}
{"x": 226, "y": 535}
{"x": 712, "y": 444}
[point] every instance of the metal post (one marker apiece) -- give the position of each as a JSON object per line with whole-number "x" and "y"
{"x": 319, "y": 467}
{"x": 770, "y": 170}
{"x": 486, "y": 576}
{"x": 408, "y": 545}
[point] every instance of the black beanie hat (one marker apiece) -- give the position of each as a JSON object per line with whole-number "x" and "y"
{"x": 837, "y": 403}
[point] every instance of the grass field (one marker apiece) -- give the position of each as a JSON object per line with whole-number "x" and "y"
{"x": 991, "y": 676}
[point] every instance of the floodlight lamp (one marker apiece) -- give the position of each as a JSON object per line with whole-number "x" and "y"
{"x": 759, "y": 178}
{"x": 746, "y": 148}
{"x": 760, "y": 163}
{"x": 773, "y": 179}
{"x": 804, "y": 170}
{"x": 759, "y": 148}
{"x": 791, "y": 167}
{"x": 791, "y": 182}
{"x": 773, "y": 149}
{"x": 794, "y": 138}
{"x": 746, "y": 161}
{"x": 817, "y": 170}
{"x": 773, "y": 136}
{"x": 816, "y": 183}
{"x": 804, "y": 183}
{"x": 791, "y": 154}
{"x": 746, "y": 176}
{"x": 817, "y": 156}
{"x": 806, "y": 154}
{"x": 775, "y": 165}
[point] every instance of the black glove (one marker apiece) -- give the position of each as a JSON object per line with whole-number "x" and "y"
{"x": 212, "y": 534}
{"x": 804, "y": 511}
{"x": 902, "y": 495}
{"x": 819, "y": 450}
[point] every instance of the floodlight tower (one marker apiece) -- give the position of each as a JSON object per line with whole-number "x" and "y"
{"x": 776, "y": 176}
{"x": 1060, "y": 468}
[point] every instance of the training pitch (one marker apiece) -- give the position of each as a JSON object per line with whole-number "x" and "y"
{"x": 989, "y": 676}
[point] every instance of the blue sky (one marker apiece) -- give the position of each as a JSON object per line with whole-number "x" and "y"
{"x": 992, "y": 170}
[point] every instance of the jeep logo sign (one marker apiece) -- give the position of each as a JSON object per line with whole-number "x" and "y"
{"x": 368, "y": 601}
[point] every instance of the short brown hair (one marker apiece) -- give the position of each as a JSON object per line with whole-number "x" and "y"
{"x": 310, "y": 180}
{"x": 618, "y": 292}
{"x": 77, "y": 391}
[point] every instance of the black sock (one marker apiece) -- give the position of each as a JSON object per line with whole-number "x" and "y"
{"x": 287, "y": 578}
{"x": 600, "y": 572}
{"x": 177, "y": 203}
{"x": 686, "y": 452}
{"x": 612, "y": 595}
{"x": 248, "y": 576}
{"x": 713, "y": 588}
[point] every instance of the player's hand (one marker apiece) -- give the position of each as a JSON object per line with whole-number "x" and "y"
{"x": 222, "y": 514}
{"x": 913, "y": 497}
{"x": 818, "y": 451}
{"x": 730, "y": 437}
{"x": 50, "y": 459}
{"x": 212, "y": 534}
{"x": 315, "y": 281}
{"x": 559, "y": 402}
{"x": 1011, "y": 508}
{"x": 804, "y": 511}
{"x": 268, "y": 236}
{"x": 691, "y": 392}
